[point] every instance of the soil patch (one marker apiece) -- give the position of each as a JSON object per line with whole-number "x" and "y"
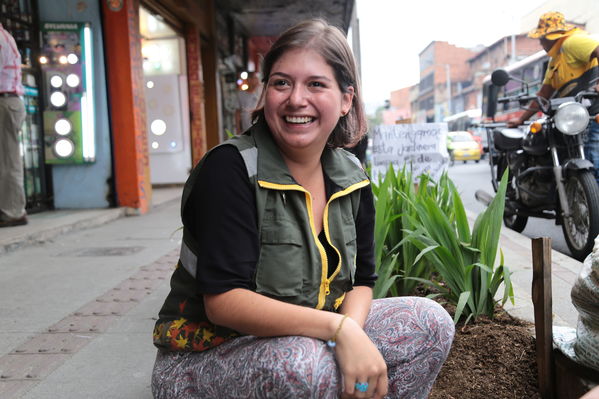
{"x": 490, "y": 359}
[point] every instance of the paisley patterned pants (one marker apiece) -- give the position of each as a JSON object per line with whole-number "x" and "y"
{"x": 413, "y": 334}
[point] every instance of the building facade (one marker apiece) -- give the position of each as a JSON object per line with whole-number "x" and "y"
{"x": 451, "y": 77}
{"x": 399, "y": 110}
{"x": 443, "y": 71}
{"x": 156, "y": 86}
{"x": 504, "y": 51}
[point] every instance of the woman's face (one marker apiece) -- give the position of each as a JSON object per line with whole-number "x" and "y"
{"x": 303, "y": 101}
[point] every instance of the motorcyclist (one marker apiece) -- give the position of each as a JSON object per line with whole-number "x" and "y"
{"x": 574, "y": 63}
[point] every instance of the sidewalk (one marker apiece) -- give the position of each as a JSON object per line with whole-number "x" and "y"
{"x": 80, "y": 291}
{"x": 77, "y": 309}
{"x": 44, "y": 227}
{"x": 517, "y": 251}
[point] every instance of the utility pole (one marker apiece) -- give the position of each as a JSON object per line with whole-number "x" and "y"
{"x": 513, "y": 59}
{"x": 448, "y": 81}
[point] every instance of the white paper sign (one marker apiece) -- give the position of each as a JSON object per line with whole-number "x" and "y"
{"x": 420, "y": 146}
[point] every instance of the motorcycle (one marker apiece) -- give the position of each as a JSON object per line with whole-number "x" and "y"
{"x": 548, "y": 174}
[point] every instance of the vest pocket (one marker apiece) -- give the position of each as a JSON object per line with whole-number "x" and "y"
{"x": 280, "y": 267}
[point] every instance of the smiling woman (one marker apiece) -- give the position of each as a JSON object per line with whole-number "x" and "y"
{"x": 304, "y": 102}
{"x": 272, "y": 296}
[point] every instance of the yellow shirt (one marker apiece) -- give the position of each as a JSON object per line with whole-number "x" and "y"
{"x": 570, "y": 59}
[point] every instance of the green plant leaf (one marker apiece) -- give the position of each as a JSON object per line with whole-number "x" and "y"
{"x": 424, "y": 252}
{"x": 464, "y": 296}
{"x": 460, "y": 216}
{"x": 422, "y": 235}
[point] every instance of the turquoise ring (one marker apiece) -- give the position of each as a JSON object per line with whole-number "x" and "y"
{"x": 362, "y": 386}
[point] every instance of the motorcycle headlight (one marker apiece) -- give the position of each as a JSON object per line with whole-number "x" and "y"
{"x": 571, "y": 118}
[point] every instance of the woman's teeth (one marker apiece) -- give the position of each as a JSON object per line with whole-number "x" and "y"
{"x": 298, "y": 119}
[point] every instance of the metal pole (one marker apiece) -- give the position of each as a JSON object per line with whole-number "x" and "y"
{"x": 513, "y": 48}
{"x": 448, "y": 75}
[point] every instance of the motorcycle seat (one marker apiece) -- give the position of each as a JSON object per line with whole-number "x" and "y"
{"x": 508, "y": 139}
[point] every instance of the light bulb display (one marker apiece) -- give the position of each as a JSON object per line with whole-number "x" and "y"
{"x": 64, "y": 148}
{"x": 56, "y": 81}
{"x": 72, "y": 59}
{"x": 73, "y": 80}
{"x": 63, "y": 127}
{"x": 58, "y": 99}
{"x": 158, "y": 127}
{"x": 69, "y": 110}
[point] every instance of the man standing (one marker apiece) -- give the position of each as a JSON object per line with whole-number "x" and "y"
{"x": 12, "y": 114}
{"x": 573, "y": 68}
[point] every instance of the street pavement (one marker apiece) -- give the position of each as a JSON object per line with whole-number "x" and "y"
{"x": 80, "y": 291}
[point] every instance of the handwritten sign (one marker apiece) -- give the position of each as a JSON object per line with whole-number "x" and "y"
{"x": 421, "y": 147}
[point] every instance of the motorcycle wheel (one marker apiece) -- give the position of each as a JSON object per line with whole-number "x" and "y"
{"x": 580, "y": 230}
{"x": 514, "y": 222}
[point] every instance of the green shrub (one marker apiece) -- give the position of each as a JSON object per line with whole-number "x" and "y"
{"x": 398, "y": 273}
{"x": 465, "y": 261}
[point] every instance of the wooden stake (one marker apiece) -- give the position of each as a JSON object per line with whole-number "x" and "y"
{"x": 541, "y": 298}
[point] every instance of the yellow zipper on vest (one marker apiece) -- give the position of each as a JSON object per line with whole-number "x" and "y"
{"x": 321, "y": 250}
{"x": 327, "y": 281}
{"x": 324, "y": 281}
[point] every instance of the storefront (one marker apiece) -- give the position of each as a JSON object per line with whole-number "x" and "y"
{"x": 77, "y": 137}
{"x": 132, "y": 93}
{"x": 157, "y": 92}
{"x": 167, "y": 101}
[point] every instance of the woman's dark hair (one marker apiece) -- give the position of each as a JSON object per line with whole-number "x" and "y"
{"x": 330, "y": 43}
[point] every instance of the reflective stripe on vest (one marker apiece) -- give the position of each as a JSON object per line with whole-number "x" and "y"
{"x": 188, "y": 259}
{"x": 250, "y": 158}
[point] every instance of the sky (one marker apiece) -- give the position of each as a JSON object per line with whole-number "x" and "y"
{"x": 394, "y": 32}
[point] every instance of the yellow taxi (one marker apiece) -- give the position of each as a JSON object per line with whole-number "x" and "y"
{"x": 462, "y": 147}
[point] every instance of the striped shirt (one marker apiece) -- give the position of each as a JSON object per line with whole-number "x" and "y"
{"x": 10, "y": 64}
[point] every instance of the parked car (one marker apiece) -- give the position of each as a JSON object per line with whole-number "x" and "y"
{"x": 462, "y": 147}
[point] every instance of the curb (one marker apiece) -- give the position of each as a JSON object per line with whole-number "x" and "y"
{"x": 47, "y": 226}
{"x": 32, "y": 236}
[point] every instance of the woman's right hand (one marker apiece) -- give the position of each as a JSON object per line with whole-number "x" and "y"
{"x": 360, "y": 361}
{"x": 514, "y": 123}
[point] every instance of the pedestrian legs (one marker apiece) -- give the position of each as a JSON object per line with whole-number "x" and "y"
{"x": 591, "y": 147}
{"x": 12, "y": 195}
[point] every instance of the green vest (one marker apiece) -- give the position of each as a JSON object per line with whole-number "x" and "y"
{"x": 292, "y": 264}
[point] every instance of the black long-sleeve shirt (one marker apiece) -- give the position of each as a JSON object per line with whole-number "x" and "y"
{"x": 221, "y": 215}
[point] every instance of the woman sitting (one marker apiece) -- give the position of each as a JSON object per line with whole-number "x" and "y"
{"x": 272, "y": 294}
